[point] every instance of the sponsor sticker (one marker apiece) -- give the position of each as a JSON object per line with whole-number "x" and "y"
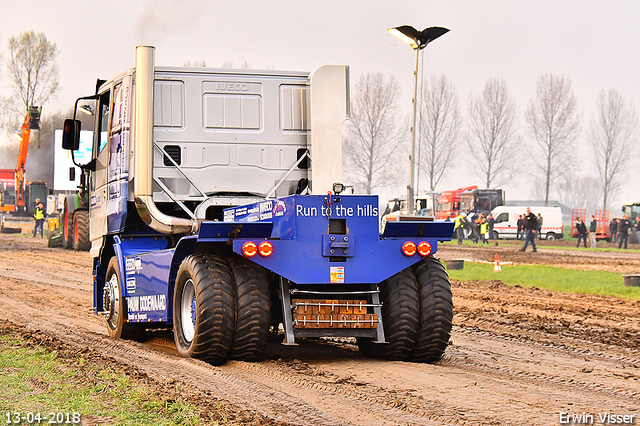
{"x": 336, "y": 274}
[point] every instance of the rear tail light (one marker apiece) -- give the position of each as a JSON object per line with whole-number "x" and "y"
{"x": 424, "y": 249}
{"x": 409, "y": 248}
{"x": 265, "y": 249}
{"x": 249, "y": 249}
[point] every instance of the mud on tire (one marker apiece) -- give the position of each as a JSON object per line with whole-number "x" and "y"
{"x": 253, "y": 309}
{"x": 81, "y": 240}
{"x": 204, "y": 309}
{"x": 400, "y": 317}
{"x": 116, "y": 325}
{"x": 436, "y": 310}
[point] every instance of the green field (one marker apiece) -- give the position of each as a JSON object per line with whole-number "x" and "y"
{"x": 35, "y": 380}
{"x": 550, "y": 278}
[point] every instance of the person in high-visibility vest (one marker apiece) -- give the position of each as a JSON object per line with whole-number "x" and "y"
{"x": 459, "y": 226}
{"x": 484, "y": 229}
{"x": 39, "y": 217}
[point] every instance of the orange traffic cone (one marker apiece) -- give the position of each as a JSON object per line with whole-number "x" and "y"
{"x": 496, "y": 264}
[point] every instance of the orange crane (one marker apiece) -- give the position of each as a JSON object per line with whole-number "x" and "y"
{"x": 31, "y": 122}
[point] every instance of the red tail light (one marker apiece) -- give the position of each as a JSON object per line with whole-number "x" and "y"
{"x": 424, "y": 249}
{"x": 249, "y": 249}
{"x": 265, "y": 249}
{"x": 409, "y": 248}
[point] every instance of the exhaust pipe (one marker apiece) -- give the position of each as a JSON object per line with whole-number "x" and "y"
{"x": 143, "y": 151}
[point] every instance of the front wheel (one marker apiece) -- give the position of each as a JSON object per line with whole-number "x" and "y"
{"x": 67, "y": 228}
{"x": 116, "y": 307}
{"x": 204, "y": 309}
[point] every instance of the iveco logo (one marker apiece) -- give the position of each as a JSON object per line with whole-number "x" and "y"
{"x": 232, "y": 87}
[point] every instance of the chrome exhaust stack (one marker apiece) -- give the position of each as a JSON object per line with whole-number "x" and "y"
{"x": 143, "y": 151}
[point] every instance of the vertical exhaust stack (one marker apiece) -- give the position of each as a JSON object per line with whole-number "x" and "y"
{"x": 143, "y": 150}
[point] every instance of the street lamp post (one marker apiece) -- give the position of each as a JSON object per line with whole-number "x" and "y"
{"x": 418, "y": 40}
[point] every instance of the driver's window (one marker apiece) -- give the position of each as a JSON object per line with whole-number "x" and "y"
{"x": 503, "y": 217}
{"x": 105, "y": 110}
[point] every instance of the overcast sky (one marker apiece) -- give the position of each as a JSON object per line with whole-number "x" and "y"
{"x": 596, "y": 44}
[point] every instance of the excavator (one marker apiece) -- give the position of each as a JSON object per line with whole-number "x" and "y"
{"x": 14, "y": 194}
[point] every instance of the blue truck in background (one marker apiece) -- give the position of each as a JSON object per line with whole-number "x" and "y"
{"x": 215, "y": 209}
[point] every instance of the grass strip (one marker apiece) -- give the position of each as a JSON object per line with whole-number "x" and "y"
{"x": 540, "y": 244}
{"x": 35, "y": 380}
{"x": 550, "y": 278}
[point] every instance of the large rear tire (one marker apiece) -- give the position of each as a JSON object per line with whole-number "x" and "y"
{"x": 81, "y": 240}
{"x": 436, "y": 310}
{"x": 204, "y": 309}
{"x": 400, "y": 317}
{"x": 116, "y": 307}
{"x": 253, "y": 315}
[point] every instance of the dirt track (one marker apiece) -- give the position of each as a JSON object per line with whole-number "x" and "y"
{"x": 518, "y": 356}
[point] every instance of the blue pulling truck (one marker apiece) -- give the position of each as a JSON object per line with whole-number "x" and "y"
{"x": 213, "y": 209}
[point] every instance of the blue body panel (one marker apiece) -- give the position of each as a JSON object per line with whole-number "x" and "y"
{"x": 303, "y": 249}
{"x": 146, "y": 263}
{"x": 302, "y": 245}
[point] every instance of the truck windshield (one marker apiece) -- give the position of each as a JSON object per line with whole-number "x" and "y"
{"x": 466, "y": 203}
{"x": 447, "y": 207}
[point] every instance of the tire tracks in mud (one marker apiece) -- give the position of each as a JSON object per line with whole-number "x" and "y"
{"x": 517, "y": 361}
{"x": 541, "y": 378}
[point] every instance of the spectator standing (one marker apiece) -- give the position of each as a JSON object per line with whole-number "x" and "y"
{"x": 613, "y": 230}
{"x": 593, "y": 229}
{"x": 582, "y": 232}
{"x": 38, "y": 215}
{"x": 539, "y": 226}
{"x": 520, "y": 224}
{"x": 484, "y": 230}
{"x": 491, "y": 221}
{"x": 530, "y": 225}
{"x": 459, "y": 226}
{"x": 624, "y": 228}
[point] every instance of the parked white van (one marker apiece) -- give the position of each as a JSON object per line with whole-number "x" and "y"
{"x": 506, "y": 217}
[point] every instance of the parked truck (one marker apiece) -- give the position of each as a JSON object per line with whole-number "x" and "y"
{"x": 214, "y": 210}
{"x": 449, "y": 202}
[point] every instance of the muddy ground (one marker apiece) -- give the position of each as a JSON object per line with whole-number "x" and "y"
{"x": 517, "y": 355}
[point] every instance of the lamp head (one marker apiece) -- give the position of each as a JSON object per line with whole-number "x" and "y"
{"x": 417, "y": 39}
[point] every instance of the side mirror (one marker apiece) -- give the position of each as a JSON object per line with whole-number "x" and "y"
{"x": 71, "y": 134}
{"x": 72, "y": 174}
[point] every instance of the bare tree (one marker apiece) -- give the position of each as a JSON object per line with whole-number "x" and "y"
{"x": 33, "y": 70}
{"x": 374, "y": 132}
{"x": 614, "y": 136}
{"x": 580, "y": 192}
{"x": 196, "y": 63}
{"x": 554, "y": 123}
{"x": 492, "y": 127}
{"x": 440, "y": 130}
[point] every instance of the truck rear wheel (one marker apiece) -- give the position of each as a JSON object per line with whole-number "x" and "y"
{"x": 436, "y": 310}
{"x": 116, "y": 307}
{"x": 81, "y": 240}
{"x": 204, "y": 309}
{"x": 400, "y": 317}
{"x": 67, "y": 228}
{"x": 253, "y": 315}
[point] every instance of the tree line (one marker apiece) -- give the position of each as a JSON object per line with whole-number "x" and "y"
{"x": 378, "y": 133}
{"x": 376, "y": 141}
